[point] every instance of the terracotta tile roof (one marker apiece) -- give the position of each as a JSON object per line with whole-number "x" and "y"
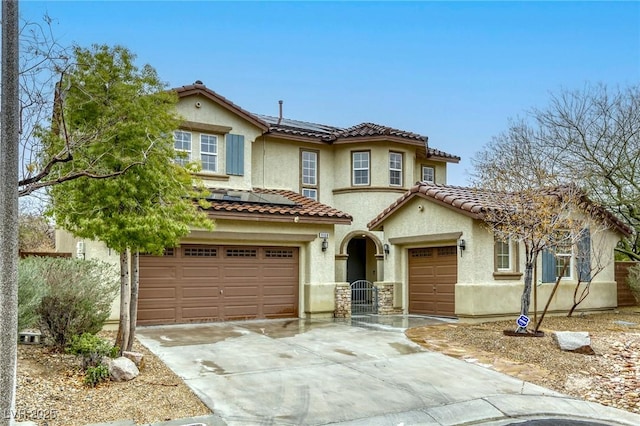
{"x": 331, "y": 134}
{"x": 476, "y": 201}
{"x": 371, "y": 129}
{"x": 293, "y": 205}
{"x": 321, "y": 132}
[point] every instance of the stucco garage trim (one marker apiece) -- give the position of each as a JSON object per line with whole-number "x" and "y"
{"x": 429, "y": 238}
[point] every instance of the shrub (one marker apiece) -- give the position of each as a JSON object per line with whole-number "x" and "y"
{"x": 95, "y": 375}
{"x": 78, "y": 298}
{"x": 32, "y": 287}
{"x": 633, "y": 279}
{"x": 91, "y": 348}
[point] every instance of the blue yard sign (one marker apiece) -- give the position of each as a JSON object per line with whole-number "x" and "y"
{"x": 522, "y": 321}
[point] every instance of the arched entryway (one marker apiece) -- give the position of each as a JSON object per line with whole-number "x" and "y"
{"x": 364, "y": 255}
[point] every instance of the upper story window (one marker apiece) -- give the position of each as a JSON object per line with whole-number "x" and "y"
{"x": 310, "y": 193}
{"x": 395, "y": 169}
{"x": 428, "y": 174}
{"x": 182, "y": 143}
{"x": 209, "y": 153}
{"x": 360, "y": 168}
{"x": 309, "y": 174}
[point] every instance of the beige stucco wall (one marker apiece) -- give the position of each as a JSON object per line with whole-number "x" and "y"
{"x": 415, "y": 226}
{"x": 498, "y": 299}
{"x": 211, "y": 113}
{"x": 366, "y": 202}
{"x": 478, "y": 293}
{"x": 276, "y": 164}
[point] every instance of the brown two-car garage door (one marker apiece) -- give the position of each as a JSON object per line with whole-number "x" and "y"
{"x": 197, "y": 283}
{"x": 433, "y": 273}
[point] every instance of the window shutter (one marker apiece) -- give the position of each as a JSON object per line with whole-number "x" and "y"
{"x": 584, "y": 256}
{"x": 548, "y": 267}
{"x": 235, "y": 155}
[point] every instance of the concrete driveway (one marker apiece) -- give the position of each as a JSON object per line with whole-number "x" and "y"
{"x": 304, "y": 372}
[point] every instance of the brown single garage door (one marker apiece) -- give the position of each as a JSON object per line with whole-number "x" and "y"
{"x": 433, "y": 273}
{"x": 197, "y": 283}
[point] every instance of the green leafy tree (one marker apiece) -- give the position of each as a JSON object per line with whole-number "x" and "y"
{"x": 152, "y": 205}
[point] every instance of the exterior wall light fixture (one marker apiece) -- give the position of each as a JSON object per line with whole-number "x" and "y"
{"x": 462, "y": 244}
{"x": 325, "y": 242}
{"x": 385, "y": 247}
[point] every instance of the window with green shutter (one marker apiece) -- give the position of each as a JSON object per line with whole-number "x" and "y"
{"x": 548, "y": 267}
{"x": 235, "y": 155}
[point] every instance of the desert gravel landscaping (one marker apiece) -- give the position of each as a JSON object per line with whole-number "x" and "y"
{"x": 611, "y": 377}
{"x": 50, "y": 385}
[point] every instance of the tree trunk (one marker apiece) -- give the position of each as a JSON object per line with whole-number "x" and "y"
{"x": 133, "y": 307}
{"x": 9, "y": 163}
{"x": 553, "y": 292}
{"x": 125, "y": 297}
{"x": 578, "y": 300}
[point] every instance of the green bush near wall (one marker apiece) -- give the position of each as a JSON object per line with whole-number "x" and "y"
{"x": 65, "y": 297}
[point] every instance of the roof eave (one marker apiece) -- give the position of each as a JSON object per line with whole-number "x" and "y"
{"x": 454, "y": 160}
{"x": 376, "y": 223}
{"x": 278, "y": 217}
{"x": 297, "y": 138}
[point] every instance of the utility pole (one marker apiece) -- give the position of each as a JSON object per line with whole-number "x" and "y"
{"x": 9, "y": 142}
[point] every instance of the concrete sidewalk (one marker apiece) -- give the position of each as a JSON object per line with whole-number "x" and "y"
{"x": 301, "y": 372}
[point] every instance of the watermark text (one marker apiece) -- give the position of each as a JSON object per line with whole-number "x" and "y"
{"x": 20, "y": 414}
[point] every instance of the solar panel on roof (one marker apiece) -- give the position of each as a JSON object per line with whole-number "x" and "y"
{"x": 297, "y": 124}
{"x": 251, "y": 197}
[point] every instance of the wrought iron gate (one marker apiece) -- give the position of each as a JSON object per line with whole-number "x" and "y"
{"x": 364, "y": 297}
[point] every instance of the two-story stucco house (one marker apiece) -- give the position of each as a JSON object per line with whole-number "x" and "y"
{"x": 301, "y": 210}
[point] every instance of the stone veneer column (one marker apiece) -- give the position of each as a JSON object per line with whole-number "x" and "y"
{"x": 343, "y": 300}
{"x": 385, "y": 299}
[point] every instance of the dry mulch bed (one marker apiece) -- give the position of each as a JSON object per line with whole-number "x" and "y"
{"x": 611, "y": 377}
{"x": 50, "y": 392}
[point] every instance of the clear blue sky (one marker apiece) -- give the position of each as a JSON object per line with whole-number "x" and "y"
{"x": 454, "y": 71}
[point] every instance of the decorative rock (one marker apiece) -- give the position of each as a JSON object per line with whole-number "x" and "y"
{"x": 574, "y": 341}
{"x": 136, "y": 357}
{"x": 123, "y": 369}
{"x": 578, "y": 383}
